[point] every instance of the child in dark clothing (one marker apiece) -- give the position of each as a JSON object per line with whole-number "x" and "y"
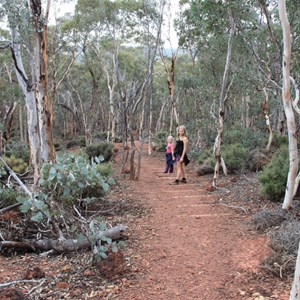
{"x": 170, "y": 155}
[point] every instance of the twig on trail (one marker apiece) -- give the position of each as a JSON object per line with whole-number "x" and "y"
{"x": 101, "y": 211}
{"x": 245, "y": 210}
{"x": 36, "y": 287}
{"x": 9, "y": 207}
{"x": 250, "y": 180}
{"x": 222, "y": 189}
{"x": 47, "y": 253}
{"x": 2, "y": 285}
{"x": 1, "y": 236}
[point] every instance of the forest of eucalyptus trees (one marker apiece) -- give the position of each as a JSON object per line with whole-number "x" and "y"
{"x": 107, "y": 69}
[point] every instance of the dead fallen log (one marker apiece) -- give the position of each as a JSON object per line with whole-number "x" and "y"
{"x": 66, "y": 245}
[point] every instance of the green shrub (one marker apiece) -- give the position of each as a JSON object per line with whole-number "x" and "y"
{"x": 18, "y": 165}
{"x": 206, "y": 157}
{"x": 19, "y": 150}
{"x": 77, "y": 142}
{"x": 279, "y": 140}
{"x": 7, "y": 196}
{"x": 105, "y": 149}
{"x": 249, "y": 138}
{"x": 234, "y": 156}
{"x": 160, "y": 141}
{"x": 274, "y": 176}
{"x": 105, "y": 169}
{"x": 102, "y": 135}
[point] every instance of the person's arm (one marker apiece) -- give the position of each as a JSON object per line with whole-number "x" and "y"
{"x": 172, "y": 150}
{"x": 185, "y": 144}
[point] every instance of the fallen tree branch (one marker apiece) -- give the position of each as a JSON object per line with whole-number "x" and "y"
{"x": 67, "y": 245}
{"x": 13, "y": 174}
{"x": 3, "y": 285}
{"x": 9, "y": 207}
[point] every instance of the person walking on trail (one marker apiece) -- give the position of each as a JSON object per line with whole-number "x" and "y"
{"x": 170, "y": 159}
{"x": 180, "y": 153}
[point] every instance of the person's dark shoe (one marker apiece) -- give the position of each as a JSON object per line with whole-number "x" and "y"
{"x": 183, "y": 180}
{"x": 176, "y": 182}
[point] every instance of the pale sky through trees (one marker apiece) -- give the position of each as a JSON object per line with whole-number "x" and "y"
{"x": 61, "y": 7}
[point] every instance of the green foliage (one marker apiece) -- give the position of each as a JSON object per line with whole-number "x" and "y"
{"x": 160, "y": 141}
{"x": 100, "y": 243}
{"x": 105, "y": 169}
{"x": 102, "y": 135}
{"x": 70, "y": 179}
{"x": 7, "y": 196}
{"x": 234, "y": 156}
{"x": 249, "y": 138}
{"x": 19, "y": 150}
{"x": 16, "y": 164}
{"x": 78, "y": 142}
{"x": 207, "y": 157}
{"x": 279, "y": 140}
{"x": 274, "y": 176}
{"x": 105, "y": 149}
{"x": 73, "y": 177}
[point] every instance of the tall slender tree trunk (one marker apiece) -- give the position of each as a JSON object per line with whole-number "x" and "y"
{"x": 39, "y": 110}
{"x": 218, "y": 141}
{"x": 288, "y": 108}
{"x": 31, "y": 106}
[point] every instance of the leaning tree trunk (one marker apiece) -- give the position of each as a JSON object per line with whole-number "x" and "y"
{"x": 218, "y": 141}
{"x": 267, "y": 117}
{"x": 288, "y": 108}
{"x": 27, "y": 88}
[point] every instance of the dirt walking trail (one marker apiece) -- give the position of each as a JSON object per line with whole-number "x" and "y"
{"x": 192, "y": 246}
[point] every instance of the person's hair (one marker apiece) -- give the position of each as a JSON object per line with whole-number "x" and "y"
{"x": 184, "y": 129}
{"x": 170, "y": 137}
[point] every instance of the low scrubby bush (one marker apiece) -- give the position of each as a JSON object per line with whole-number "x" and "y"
{"x": 18, "y": 165}
{"x": 77, "y": 142}
{"x": 105, "y": 169}
{"x": 279, "y": 140}
{"x": 159, "y": 142}
{"x": 235, "y": 156}
{"x": 19, "y": 150}
{"x": 101, "y": 135}
{"x": 72, "y": 179}
{"x": 206, "y": 157}
{"x": 8, "y": 196}
{"x": 274, "y": 175}
{"x": 105, "y": 149}
{"x": 249, "y": 138}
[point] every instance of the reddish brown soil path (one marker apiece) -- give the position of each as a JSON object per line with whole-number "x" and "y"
{"x": 192, "y": 246}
